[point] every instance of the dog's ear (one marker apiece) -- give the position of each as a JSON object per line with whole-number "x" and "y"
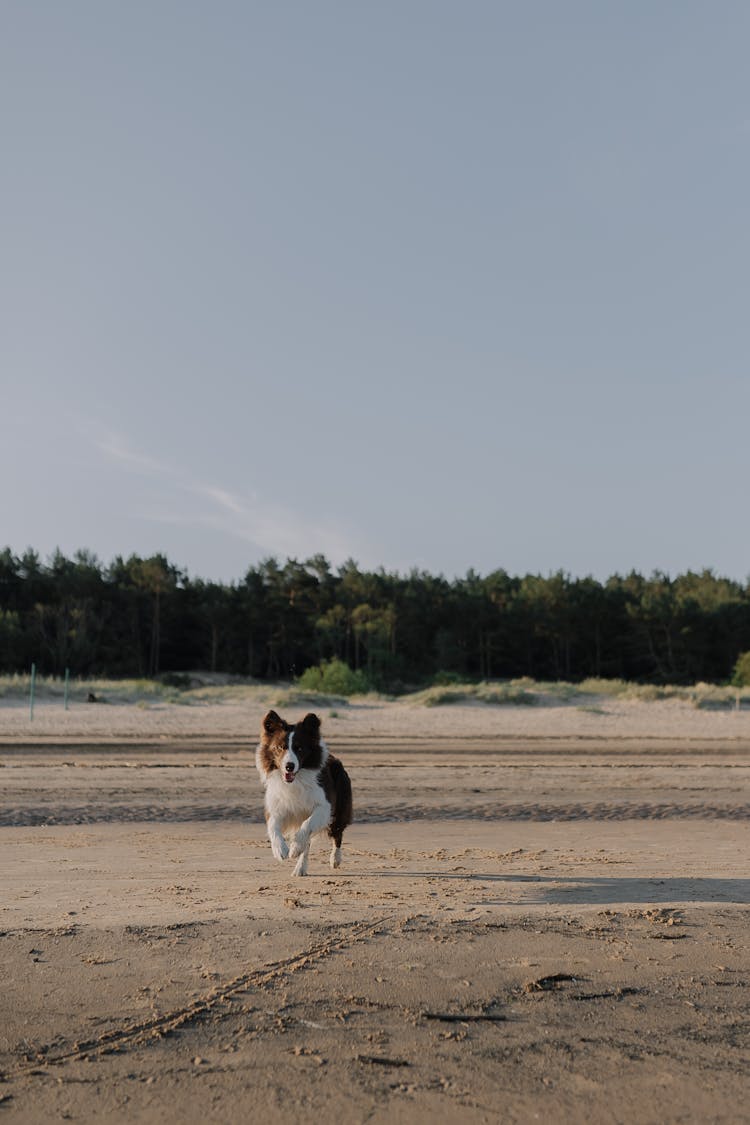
{"x": 311, "y": 723}
{"x": 272, "y": 723}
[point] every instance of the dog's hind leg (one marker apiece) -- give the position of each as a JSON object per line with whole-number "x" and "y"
{"x": 335, "y": 859}
{"x": 342, "y": 810}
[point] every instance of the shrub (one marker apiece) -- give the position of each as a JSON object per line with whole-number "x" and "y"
{"x": 334, "y": 677}
{"x": 741, "y": 674}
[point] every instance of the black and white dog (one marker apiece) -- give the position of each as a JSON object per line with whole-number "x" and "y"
{"x": 307, "y": 790}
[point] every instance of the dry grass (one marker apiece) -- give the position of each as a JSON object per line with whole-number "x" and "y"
{"x": 205, "y": 689}
{"x": 508, "y": 694}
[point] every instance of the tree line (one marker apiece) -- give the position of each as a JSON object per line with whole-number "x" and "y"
{"x": 146, "y": 617}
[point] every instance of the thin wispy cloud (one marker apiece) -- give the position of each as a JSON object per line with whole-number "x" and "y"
{"x": 187, "y": 502}
{"x": 222, "y": 498}
{"x": 118, "y": 450}
{"x": 275, "y": 528}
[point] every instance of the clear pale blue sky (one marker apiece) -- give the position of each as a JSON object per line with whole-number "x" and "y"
{"x": 427, "y": 284}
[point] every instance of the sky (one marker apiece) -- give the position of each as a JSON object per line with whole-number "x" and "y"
{"x": 429, "y": 284}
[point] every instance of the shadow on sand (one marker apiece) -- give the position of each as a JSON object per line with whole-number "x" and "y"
{"x": 586, "y": 890}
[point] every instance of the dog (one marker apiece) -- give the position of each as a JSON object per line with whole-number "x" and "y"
{"x": 307, "y": 790}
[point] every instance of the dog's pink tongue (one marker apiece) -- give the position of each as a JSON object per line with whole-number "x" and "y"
{"x": 289, "y": 775}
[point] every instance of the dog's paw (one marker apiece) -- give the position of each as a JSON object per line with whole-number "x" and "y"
{"x": 280, "y": 848}
{"x": 299, "y": 845}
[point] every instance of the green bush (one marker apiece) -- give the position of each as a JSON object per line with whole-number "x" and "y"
{"x": 334, "y": 677}
{"x": 741, "y": 674}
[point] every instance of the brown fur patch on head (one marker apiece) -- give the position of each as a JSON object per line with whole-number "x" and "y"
{"x": 273, "y": 740}
{"x": 272, "y": 723}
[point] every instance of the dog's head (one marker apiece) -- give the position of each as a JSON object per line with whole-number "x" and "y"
{"x": 290, "y": 747}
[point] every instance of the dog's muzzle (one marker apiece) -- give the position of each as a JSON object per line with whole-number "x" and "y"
{"x": 289, "y": 772}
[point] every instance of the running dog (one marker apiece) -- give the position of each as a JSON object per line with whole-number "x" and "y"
{"x": 307, "y": 790}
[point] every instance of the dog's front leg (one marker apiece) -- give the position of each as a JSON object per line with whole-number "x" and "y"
{"x": 300, "y": 867}
{"x": 317, "y": 820}
{"x": 279, "y": 846}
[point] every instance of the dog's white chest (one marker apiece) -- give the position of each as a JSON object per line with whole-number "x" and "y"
{"x": 293, "y": 802}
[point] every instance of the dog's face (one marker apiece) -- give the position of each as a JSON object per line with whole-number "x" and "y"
{"x": 290, "y": 747}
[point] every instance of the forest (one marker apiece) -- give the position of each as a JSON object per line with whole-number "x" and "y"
{"x": 145, "y": 617}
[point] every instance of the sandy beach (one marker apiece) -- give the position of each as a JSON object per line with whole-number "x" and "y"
{"x": 543, "y": 912}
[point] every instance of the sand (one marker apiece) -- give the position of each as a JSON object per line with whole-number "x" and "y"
{"x": 543, "y": 913}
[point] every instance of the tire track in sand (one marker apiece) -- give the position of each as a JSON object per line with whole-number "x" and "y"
{"x": 137, "y": 1033}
